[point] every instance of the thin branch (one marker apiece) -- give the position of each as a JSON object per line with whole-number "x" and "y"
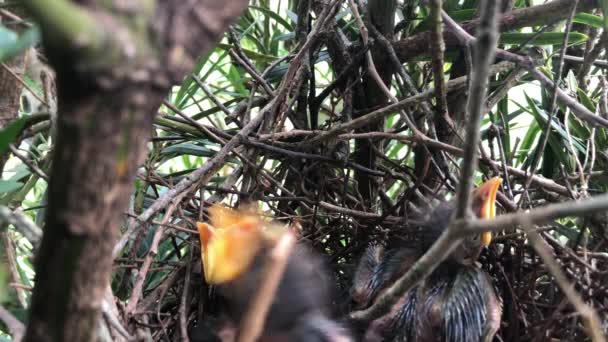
{"x": 22, "y": 223}
{"x": 449, "y": 239}
{"x": 552, "y": 106}
{"x": 483, "y": 54}
{"x": 590, "y": 318}
{"x": 457, "y": 83}
{"x": 33, "y": 167}
{"x": 253, "y": 321}
{"x": 541, "y": 215}
{"x": 15, "y": 327}
{"x": 437, "y": 61}
{"x": 203, "y": 174}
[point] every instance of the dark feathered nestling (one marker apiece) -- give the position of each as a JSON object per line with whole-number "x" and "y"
{"x": 457, "y": 302}
{"x": 235, "y": 246}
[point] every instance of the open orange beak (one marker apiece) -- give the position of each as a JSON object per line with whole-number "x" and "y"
{"x": 485, "y": 195}
{"x": 229, "y": 243}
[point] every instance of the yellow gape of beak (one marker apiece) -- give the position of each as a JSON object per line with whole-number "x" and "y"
{"x": 486, "y": 194}
{"x": 231, "y": 241}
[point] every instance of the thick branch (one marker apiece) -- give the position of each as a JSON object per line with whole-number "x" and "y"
{"x": 418, "y": 44}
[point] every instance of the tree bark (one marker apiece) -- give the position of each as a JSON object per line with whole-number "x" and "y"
{"x": 416, "y": 45}
{"x": 112, "y": 74}
{"x": 382, "y": 15}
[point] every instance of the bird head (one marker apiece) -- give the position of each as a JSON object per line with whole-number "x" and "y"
{"x": 484, "y": 204}
{"x": 231, "y": 240}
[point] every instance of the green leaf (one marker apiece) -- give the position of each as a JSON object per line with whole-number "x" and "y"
{"x": 11, "y": 44}
{"x": 7, "y": 186}
{"x": 10, "y": 132}
{"x": 585, "y": 100}
{"x": 545, "y": 38}
{"x": 7, "y": 38}
{"x": 605, "y": 13}
{"x": 190, "y": 149}
{"x": 542, "y": 118}
{"x": 525, "y": 148}
{"x": 3, "y": 281}
{"x": 274, "y": 16}
{"x": 589, "y": 20}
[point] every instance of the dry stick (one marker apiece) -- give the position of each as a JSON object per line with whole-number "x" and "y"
{"x": 526, "y": 62}
{"x": 253, "y": 321}
{"x": 15, "y": 327}
{"x": 11, "y": 264}
{"x": 22, "y": 223}
{"x": 577, "y": 109}
{"x": 28, "y": 228}
{"x": 552, "y": 106}
{"x": 449, "y": 240}
{"x": 267, "y": 88}
{"x": 540, "y": 181}
{"x": 371, "y": 66}
{"x": 29, "y": 163}
{"x": 361, "y": 121}
{"x": 24, "y": 84}
{"x": 483, "y": 54}
{"x": 590, "y": 318}
{"x": 203, "y": 174}
{"x": 238, "y": 154}
{"x": 141, "y": 276}
{"x": 437, "y": 60}
{"x": 418, "y": 44}
{"x": 200, "y": 176}
{"x": 210, "y": 94}
{"x": 184, "y": 303}
{"x": 541, "y": 215}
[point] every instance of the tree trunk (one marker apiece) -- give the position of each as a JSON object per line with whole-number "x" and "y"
{"x": 111, "y": 79}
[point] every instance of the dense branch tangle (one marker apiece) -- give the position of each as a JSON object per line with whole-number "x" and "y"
{"x": 252, "y": 126}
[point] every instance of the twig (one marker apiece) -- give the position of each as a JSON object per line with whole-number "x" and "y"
{"x": 209, "y": 94}
{"x": 203, "y": 174}
{"x": 552, "y": 106}
{"x": 437, "y": 62}
{"x": 541, "y": 215}
{"x": 483, "y": 54}
{"x": 371, "y": 66}
{"x": 526, "y": 62}
{"x": 267, "y": 88}
{"x": 11, "y": 260}
{"x": 253, "y": 321}
{"x": 25, "y": 85}
{"x": 418, "y": 44}
{"x": 15, "y": 327}
{"x": 450, "y": 238}
{"x": 22, "y": 223}
{"x": 361, "y": 121}
{"x": 141, "y": 275}
{"x": 200, "y": 176}
{"x": 590, "y": 318}
{"x": 184, "y": 302}
{"x": 35, "y": 169}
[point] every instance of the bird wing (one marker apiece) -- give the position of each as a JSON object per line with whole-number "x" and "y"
{"x": 471, "y": 306}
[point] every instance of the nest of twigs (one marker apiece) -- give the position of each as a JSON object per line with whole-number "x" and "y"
{"x": 534, "y": 308}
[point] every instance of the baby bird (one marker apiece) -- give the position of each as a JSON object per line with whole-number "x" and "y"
{"x": 457, "y": 302}
{"x": 234, "y": 248}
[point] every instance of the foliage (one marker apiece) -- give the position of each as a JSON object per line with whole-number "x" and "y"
{"x": 318, "y": 185}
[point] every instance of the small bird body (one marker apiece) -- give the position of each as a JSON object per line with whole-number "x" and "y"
{"x": 457, "y": 302}
{"x": 235, "y": 248}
